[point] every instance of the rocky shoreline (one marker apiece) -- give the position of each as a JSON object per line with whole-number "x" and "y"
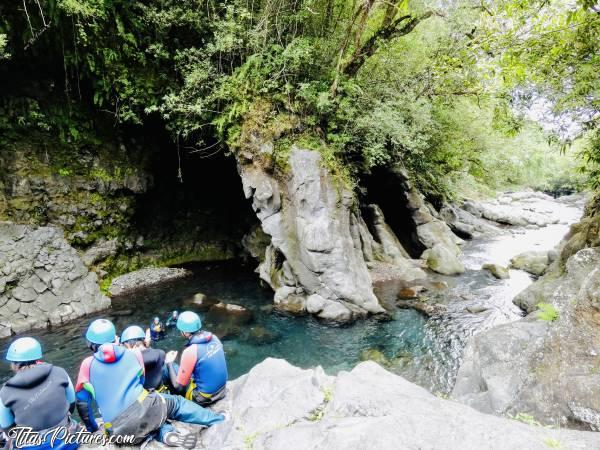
{"x": 546, "y": 364}
{"x": 277, "y": 405}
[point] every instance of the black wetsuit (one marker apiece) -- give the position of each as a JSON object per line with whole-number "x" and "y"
{"x": 154, "y": 360}
{"x": 40, "y": 397}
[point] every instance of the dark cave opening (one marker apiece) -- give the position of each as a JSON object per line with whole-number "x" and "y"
{"x": 195, "y": 209}
{"x": 387, "y": 188}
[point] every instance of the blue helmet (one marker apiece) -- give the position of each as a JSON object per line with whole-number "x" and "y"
{"x": 23, "y": 350}
{"x": 131, "y": 333}
{"x": 189, "y": 322}
{"x": 101, "y": 331}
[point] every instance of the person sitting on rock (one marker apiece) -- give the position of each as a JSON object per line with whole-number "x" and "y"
{"x": 39, "y": 396}
{"x": 172, "y": 320}
{"x": 157, "y": 329}
{"x": 133, "y": 337}
{"x": 113, "y": 378}
{"x": 202, "y": 374}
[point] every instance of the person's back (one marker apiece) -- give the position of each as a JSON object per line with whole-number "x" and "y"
{"x": 113, "y": 377}
{"x": 154, "y": 360}
{"x": 37, "y": 397}
{"x": 204, "y": 358}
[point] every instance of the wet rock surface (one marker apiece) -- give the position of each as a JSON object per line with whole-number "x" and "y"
{"x": 497, "y": 270}
{"x": 43, "y": 281}
{"x": 547, "y": 363}
{"x": 143, "y": 278}
{"x": 277, "y": 405}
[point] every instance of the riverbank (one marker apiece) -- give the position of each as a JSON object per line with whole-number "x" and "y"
{"x": 277, "y": 406}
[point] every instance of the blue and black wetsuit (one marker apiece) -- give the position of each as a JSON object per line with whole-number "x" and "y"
{"x": 41, "y": 397}
{"x": 203, "y": 369}
{"x": 113, "y": 378}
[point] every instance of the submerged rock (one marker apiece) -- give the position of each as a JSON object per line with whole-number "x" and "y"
{"x": 259, "y": 335}
{"x": 429, "y": 309}
{"x": 43, "y": 281}
{"x": 532, "y": 262}
{"x": 411, "y": 292}
{"x": 497, "y": 270}
{"x": 375, "y": 355}
{"x": 144, "y": 278}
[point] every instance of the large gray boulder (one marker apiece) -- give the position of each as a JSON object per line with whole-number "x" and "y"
{"x": 312, "y": 251}
{"x": 43, "y": 281}
{"x": 278, "y": 406}
{"x": 442, "y": 252}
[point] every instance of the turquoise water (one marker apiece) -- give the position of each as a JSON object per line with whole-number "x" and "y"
{"x": 303, "y": 341}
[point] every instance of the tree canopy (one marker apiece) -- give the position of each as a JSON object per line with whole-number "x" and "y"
{"x": 439, "y": 87}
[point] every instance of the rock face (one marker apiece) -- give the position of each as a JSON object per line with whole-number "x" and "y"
{"x": 442, "y": 253}
{"x": 312, "y": 252}
{"x": 278, "y": 406}
{"x": 546, "y": 364}
{"x": 42, "y": 280}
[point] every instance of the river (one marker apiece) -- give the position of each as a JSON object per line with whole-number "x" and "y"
{"x": 424, "y": 350}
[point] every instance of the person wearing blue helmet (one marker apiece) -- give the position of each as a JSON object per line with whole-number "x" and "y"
{"x": 39, "y": 396}
{"x": 202, "y": 373}
{"x": 113, "y": 378}
{"x": 133, "y": 337}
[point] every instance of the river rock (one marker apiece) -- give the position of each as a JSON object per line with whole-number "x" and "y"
{"x": 465, "y": 224}
{"x": 230, "y": 308}
{"x": 411, "y": 292}
{"x": 533, "y": 262}
{"x": 43, "y": 280}
{"x": 444, "y": 260}
{"x": 429, "y": 309}
{"x": 497, "y": 270}
{"x": 545, "y": 366}
{"x": 312, "y": 251}
{"x": 144, "y": 278}
{"x": 259, "y": 335}
{"x": 375, "y": 355}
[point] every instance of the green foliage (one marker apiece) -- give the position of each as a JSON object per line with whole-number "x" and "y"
{"x": 547, "y": 312}
{"x": 526, "y": 418}
{"x": 371, "y": 83}
{"x": 552, "y": 443}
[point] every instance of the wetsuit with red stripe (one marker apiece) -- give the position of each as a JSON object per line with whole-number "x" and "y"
{"x": 113, "y": 378}
{"x": 204, "y": 361}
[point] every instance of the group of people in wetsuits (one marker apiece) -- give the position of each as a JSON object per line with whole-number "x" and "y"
{"x": 137, "y": 389}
